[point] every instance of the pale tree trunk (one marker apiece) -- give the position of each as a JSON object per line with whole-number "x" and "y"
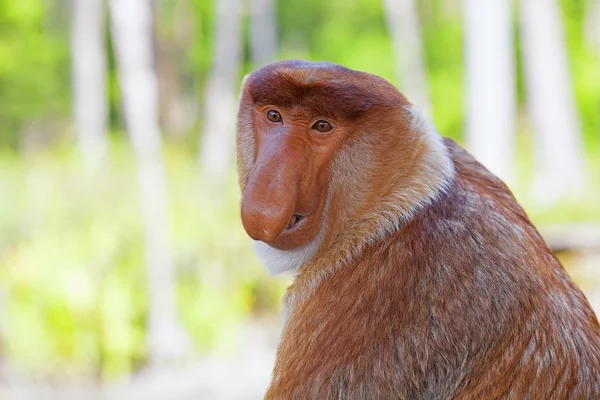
{"x": 405, "y": 28}
{"x": 88, "y": 60}
{"x": 490, "y": 84}
{"x": 560, "y": 166}
{"x": 592, "y": 24}
{"x": 218, "y": 136}
{"x": 451, "y": 8}
{"x": 178, "y": 103}
{"x": 263, "y": 32}
{"x": 132, "y": 38}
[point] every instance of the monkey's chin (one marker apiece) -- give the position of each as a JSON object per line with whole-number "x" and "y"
{"x": 286, "y": 262}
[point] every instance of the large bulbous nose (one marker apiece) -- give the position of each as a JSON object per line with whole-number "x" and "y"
{"x": 271, "y": 194}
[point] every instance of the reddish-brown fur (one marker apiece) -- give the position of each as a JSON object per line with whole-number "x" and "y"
{"x": 458, "y": 297}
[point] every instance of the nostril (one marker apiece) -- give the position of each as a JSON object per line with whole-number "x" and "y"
{"x": 294, "y": 221}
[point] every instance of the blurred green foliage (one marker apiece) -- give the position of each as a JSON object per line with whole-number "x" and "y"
{"x": 71, "y": 262}
{"x": 34, "y": 70}
{"x": 72, "y": 279}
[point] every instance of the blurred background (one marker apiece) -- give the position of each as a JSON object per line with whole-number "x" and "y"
{"x": 125, "y": 272}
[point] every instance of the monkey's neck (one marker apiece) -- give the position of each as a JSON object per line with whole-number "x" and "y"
{"x": 433, "y": 170}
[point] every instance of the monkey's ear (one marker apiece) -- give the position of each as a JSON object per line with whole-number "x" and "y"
{"x": 243, "y": 87}
{"x": 244, "y": 81}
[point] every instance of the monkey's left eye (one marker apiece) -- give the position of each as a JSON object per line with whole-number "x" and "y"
{"x": 274, "y": 116}
{"x": 322, "y": 126}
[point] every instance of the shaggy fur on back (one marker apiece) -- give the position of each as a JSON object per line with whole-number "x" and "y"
{"x": 465, "y": 301}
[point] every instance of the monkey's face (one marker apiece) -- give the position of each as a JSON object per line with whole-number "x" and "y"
{"x": 294, "y": 118}
{"x": 284, "y": 198}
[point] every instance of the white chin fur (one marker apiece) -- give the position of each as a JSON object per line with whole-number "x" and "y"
{"x": 286, "y": 262}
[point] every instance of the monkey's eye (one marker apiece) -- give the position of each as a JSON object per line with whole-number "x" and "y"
{"x": 274, "y": 116}
{"x": 322, "y": 126}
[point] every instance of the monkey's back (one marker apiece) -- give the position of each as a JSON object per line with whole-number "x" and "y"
{"x": 464, "y": 302}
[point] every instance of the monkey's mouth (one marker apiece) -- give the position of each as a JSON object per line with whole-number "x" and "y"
{"x": 294, "y": 221}
{"x": 294, "y": 234}
{"x": 298, "y": 231}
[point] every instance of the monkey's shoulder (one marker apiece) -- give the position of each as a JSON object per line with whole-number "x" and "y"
{"x": 477, "y": 235}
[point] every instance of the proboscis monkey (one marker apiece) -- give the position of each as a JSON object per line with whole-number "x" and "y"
{"x": 417, "y": 274}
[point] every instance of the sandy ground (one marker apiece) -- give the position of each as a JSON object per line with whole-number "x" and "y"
{"x": 242, "y": 376}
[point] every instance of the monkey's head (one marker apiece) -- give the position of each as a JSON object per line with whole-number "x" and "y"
{"x": 312, "y": 142}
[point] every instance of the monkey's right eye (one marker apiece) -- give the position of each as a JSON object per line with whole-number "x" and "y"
{"x": 274, "y": 116}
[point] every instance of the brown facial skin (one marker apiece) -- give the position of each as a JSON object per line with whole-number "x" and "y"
{"x": 289, "y": 175}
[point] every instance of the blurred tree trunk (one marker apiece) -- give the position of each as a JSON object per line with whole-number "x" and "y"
{"x": 263, "y": 32}
{"x": 405, "y": 28}
{"x": 490, "y": 84}
{"x": 88, "y": 60}
{"x": 178, "y": 108}
{"x": 592, "y": 23}
{"x": 218, "y": 135}
{"x": 560, "y": 166}
{"x": 132, "y": 38}
{"x": 450, "y": 8}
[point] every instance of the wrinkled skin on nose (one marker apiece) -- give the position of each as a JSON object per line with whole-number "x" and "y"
{"x": 283, "y": 183}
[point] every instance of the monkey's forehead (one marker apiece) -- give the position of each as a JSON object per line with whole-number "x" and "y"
{"x": 321, "y": 88}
